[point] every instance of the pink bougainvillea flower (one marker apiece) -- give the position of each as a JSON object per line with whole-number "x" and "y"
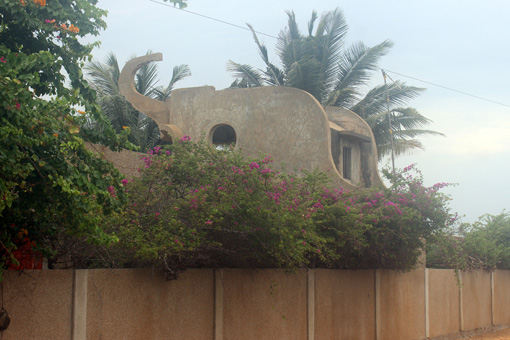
{"x": 3, "y": 60}
{"x": 254, "y": 165}
{"x": 208, "y": 222}
{"x": 111, "y": 190}
{"x": 185, "y": 138}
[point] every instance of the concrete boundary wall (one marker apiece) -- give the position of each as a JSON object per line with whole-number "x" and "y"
{"x": 231, "y": 304}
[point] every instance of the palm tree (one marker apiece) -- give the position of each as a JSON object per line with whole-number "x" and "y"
{"x": 319, "y": 63}
{"x": 105, "y": 80}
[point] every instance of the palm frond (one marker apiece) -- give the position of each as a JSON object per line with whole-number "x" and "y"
{"x": 355, "y": 67}
{"x": 148, "y": 131}
{"x": 374, "y": 101}
{"x": 272, "y": 72}
{"x": 179, "y": 73}
{"x": 294, "y": 32}
{"x": 274, "y": 76}
{"x": 246, "y": 73}
{"x": 104, "y": 77}
{"x": 410, "y": 118}
{"x": 328, "y": 42}
{"x": 401, "y": 147}
{"x": 305, "y": 75}
{"x": 406, "y": 125}
{"x": 311, "y": 23}
{"x": 146, "y": 78}
{"x": 289, "y": 46}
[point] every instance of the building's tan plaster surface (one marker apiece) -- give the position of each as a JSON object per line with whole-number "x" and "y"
{"x": 285, "y": 123}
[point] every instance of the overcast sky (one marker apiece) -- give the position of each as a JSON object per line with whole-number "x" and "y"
{"x": 462, "y": 45}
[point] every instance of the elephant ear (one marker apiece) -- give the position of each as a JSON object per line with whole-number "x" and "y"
{"x": 153, "y": 108}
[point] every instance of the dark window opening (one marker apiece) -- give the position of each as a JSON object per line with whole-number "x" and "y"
{"x": 335, "y": 148}
{"x": 165, "y": 141}
{"x": 223, "y": 136}
{"x": 347, "y": 163}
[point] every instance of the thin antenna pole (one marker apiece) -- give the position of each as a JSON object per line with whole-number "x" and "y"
{"x": 390, "y": 129}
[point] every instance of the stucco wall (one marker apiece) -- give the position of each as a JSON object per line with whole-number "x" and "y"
{"x": 263, "y": 304}
{"x": 229, "y": 304}
{"x": 476, "y": 299}
{"x": 344, "y": 304}
{"x": 444, "y": 302}
{"x": 126, "y": 161}
{"x": 402, "y": 305}
{"x": 501, "y": 297}
{"x": 141, "y": 304}
{"x": 39, "y": 303}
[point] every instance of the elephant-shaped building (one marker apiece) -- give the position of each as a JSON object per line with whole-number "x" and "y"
{"x": 286, "y": 123}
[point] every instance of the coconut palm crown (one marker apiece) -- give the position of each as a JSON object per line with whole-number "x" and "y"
{"x": 104, "y": 79}
{"x": 319, "y": 63}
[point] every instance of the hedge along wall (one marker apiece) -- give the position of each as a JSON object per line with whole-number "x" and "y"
{"x": 253, "y": 304}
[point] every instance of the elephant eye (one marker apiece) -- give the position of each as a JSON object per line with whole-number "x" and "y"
{"x": 223, "y": 136}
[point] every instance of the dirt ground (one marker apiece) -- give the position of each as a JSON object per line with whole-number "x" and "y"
{"x": 503, "y": 334}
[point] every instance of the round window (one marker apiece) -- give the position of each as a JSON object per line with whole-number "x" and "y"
{"x": 223, "y": 136}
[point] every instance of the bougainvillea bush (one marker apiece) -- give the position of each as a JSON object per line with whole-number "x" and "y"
{"x": 194, "y": 206}
{"x": 50, "y": 184}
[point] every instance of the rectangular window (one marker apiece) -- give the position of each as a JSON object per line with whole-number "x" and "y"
{"x": 347, "y": 163}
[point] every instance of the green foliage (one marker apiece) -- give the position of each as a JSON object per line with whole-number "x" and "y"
{"x": 49, "y": 182}
{"x": 194, "y": 206}
{"x": 484, "y": 244}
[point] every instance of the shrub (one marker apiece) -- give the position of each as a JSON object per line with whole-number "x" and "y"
{"x": 195, "y": 206}
{"x": 484, "y": 244}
